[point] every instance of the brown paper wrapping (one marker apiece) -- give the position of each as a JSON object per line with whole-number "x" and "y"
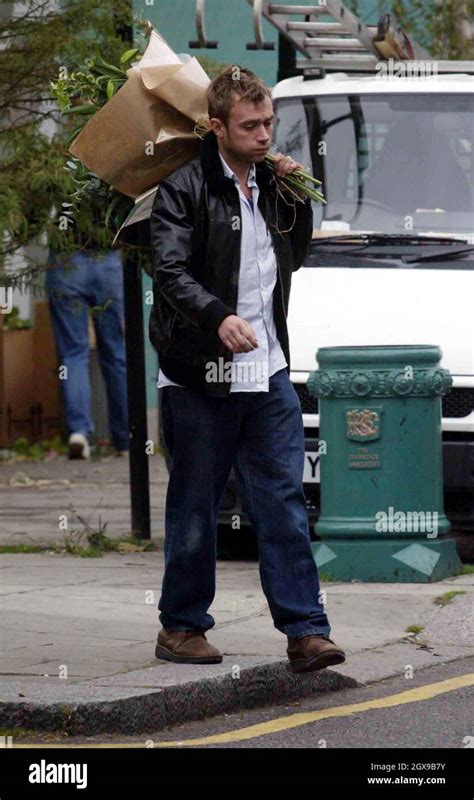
{"x": 161, "y": 102}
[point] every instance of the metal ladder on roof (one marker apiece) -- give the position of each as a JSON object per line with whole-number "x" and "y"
{"x": 341, "y": 44}
{"x": 344, "y": 43}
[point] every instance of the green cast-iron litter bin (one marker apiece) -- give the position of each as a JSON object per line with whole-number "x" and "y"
{"x": 382, "y": 515}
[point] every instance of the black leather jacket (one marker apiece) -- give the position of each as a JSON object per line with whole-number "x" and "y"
{"x": 195, "y": 230}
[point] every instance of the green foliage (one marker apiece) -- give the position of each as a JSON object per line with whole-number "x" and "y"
{"x": 12, "y": 320}
{"x": 80, "y": 94}
{"x": 61, "y": 66}
{"x": 444, "y": 599}
{"x": 442, "y": 28}
{"x": 23, "y": 447}
{"x": 39, "y": 190}
{"x": 414, "y": 628}
{"x": 97, "y": 540}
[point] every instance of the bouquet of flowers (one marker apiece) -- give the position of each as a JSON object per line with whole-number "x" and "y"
{"x": 153, "y": 124}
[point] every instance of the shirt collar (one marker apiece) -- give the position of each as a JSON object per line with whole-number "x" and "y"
{"x": 251, "y": 181}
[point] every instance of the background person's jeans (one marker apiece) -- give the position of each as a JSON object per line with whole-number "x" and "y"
{"x": 262, "y": 434}
{"x": 82, "y": 280}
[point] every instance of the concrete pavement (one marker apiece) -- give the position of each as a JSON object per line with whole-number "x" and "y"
{"x": 78, "y": 634}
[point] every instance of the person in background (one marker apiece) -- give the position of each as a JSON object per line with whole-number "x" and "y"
{"x": 75, "y": 283}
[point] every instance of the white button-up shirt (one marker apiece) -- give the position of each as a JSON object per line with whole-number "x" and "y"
{"x": 257, "y": 278}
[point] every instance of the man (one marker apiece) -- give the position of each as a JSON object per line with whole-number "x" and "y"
{"x": 75, "y": 283}
{"x": 224, "y": 247}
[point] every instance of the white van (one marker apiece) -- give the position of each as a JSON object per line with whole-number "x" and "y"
{"x": 392, "y": 258}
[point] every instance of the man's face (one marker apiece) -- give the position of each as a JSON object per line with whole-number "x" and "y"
{"x": 248, "y": 134}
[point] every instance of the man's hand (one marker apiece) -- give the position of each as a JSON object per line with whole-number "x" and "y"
{"x": 285, "y": 165}
{"x": 237, "y": 334}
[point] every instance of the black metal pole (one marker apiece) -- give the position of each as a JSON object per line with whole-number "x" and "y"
{"x": 136, "y": 382}
{"x": 136, "y": 390}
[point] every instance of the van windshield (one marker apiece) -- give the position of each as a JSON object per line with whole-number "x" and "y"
{"x": 391, "y": 163}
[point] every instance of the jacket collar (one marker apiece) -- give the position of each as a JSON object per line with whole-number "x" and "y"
{"x": 213, "y": 169}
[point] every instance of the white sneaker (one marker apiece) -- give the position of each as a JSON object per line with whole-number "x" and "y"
{"x": 78, "y": 446}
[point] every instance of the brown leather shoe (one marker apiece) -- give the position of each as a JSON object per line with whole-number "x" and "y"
{"x": 309, "y": 653}
{"x": 186, "y": 647}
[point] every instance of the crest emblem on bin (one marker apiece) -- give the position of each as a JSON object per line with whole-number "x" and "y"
{"x": 363, "y": 424}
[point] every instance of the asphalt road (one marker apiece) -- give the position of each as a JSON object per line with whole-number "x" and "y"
{"x": 414, "y": 731}
{"x": 434, "y": 708}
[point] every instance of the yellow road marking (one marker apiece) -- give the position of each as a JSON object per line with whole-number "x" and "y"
{"x": 426, "y": 692}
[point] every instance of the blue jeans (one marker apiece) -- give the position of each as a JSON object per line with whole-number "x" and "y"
{"x": 83, "y": 280}
{"x": 262, "y": 435}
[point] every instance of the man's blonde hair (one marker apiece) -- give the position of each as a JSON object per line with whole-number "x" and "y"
{"x": 234, "y": 80}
